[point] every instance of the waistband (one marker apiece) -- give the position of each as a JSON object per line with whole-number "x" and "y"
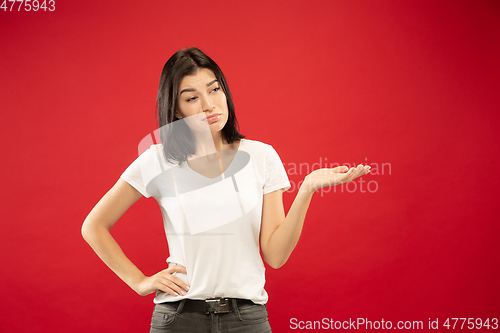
{"x": 211, "y": 305}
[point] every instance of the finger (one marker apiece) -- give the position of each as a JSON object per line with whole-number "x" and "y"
{"x": 173, "y": 278}
{"x": 364, "y": 169}
{"x": 163, "y": 284}
{"x": 345, "y": 177}
{"x": 179, "y": 282}
{"x": 176, "y": 268}
{"x": 166, "y": 281}
{"x": 354, "y": 173}
{"x": 166, "y": 289}
{"x": 359, "y": 170}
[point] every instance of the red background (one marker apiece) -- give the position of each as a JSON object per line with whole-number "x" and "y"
{"x": 410, "y": 83}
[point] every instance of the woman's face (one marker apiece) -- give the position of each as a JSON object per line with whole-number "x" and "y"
{"x": 202, "y": 99}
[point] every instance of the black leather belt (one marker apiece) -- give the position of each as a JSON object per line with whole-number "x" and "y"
{"x": 213, "y": 305}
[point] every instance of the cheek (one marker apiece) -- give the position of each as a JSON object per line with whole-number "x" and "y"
{"x": 187, "y": 110}
{"x": 223, "y": 103}
{"x": 221, "y": 99}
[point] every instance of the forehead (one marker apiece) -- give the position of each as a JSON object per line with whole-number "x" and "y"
{"x": 199, "y": 79}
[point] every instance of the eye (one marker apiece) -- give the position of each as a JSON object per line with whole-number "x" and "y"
{"x": 191, "y": 99}
{"x": 216, "y": 89}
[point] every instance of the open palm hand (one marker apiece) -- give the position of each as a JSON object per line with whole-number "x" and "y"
{"x": 333, "y": 176}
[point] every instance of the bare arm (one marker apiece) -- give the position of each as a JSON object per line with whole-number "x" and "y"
{"x": 279, "y": 234}
{"x": 96, "y": 231}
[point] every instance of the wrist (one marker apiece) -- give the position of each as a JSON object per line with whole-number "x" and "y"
{"x": 307, "y": 186}
{"x": 136, "y": 283}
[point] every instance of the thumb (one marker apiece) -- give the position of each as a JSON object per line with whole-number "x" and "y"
{"x": 340, "y": 169}
{"x": 176, "y": 268}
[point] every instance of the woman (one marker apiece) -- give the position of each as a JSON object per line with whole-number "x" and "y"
{"x": 221, "y": 202}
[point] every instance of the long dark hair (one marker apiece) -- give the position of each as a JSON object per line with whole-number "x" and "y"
{"x": 178, "y": 142}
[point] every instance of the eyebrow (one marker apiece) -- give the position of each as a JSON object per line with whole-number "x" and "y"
{"x": 190, "y": 89}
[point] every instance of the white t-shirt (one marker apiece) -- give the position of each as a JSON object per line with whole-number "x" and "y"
{"x": 213, "y": 225}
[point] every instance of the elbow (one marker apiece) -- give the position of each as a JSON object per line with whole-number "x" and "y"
{"x": 276, "y": 266}
{"x": 276, "y": 263}
{"x": 85, "y": 231}
{"x": 275, "y": 259}
{"x": 92, "y": 230}
{"x": 88, "y": 230}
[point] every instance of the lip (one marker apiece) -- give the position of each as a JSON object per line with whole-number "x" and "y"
{"x": 212, "y": 118}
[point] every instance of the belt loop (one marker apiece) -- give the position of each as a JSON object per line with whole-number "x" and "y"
{"x": 181, "y": 306}
{"x": 235, "y": 305}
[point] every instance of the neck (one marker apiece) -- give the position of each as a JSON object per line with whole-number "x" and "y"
{"x": 209, "y": 144}
{"x": 219, "y": 142}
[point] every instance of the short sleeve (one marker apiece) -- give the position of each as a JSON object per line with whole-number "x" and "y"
{"x": 276, "y": 177}
{"x": 142, "y": 170}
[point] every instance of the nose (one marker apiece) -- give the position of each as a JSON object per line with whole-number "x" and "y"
{"x": 208, "y": 104}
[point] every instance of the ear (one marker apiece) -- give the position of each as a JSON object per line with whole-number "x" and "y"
{"x": 178, "y": 115}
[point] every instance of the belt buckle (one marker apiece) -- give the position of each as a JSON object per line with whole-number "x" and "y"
{"x": 217, "y": 305}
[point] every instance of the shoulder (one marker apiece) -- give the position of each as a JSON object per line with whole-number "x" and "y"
{"x": 154, "y": 150}
{"x": 149, "y": 148}
{"x": 154, "y": 154}
{"x": 262, "y": 153}
{"x": 247, "y": 144}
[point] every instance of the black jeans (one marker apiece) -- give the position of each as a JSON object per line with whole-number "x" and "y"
{"x": 171, "y": 317}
